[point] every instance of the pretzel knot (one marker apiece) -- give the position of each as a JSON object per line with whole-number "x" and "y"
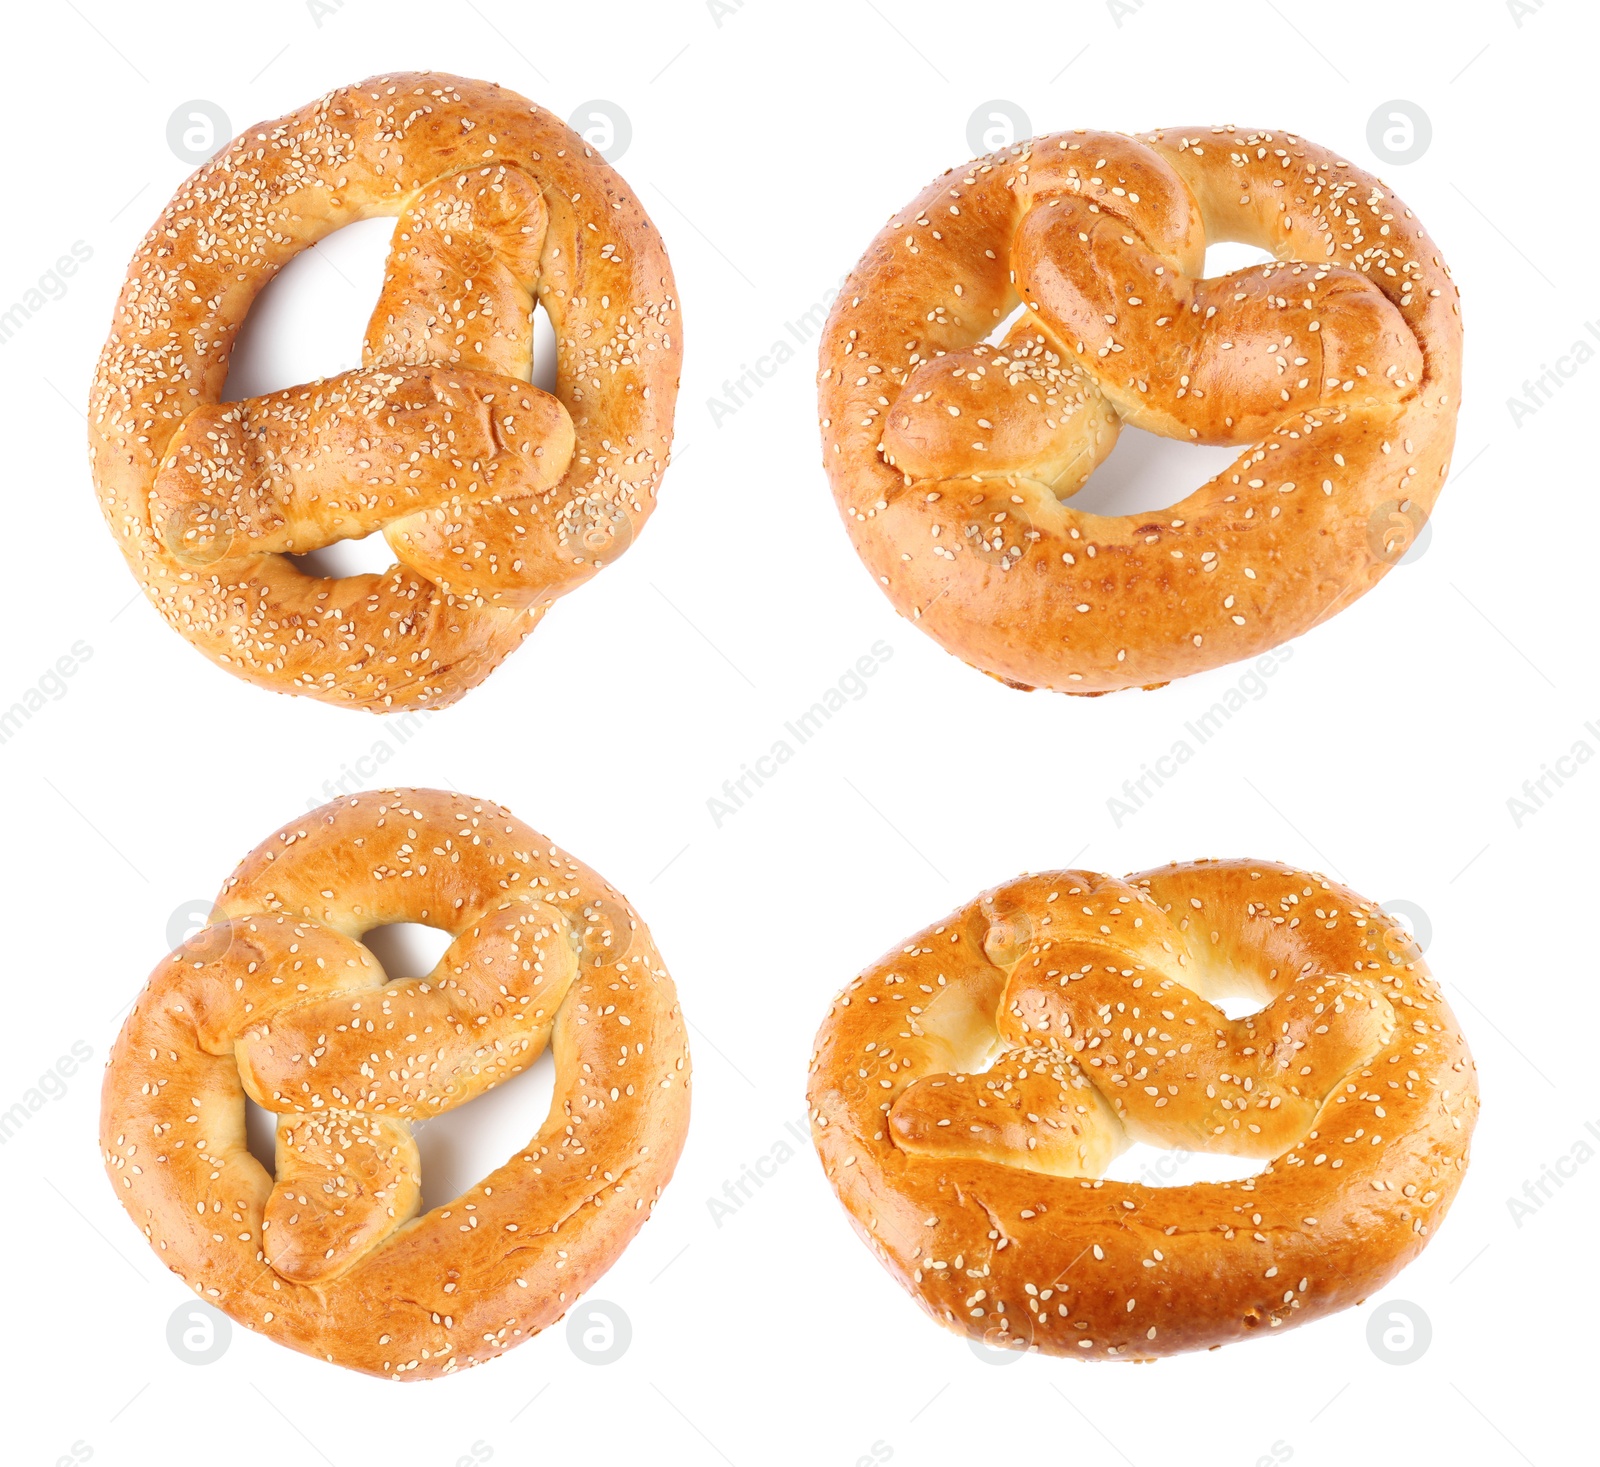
{"x": 1335, "y": 369}
{"x": 495, "y": 497}
{"x": 279, "y": 1000}
{"x": 969, "y": 1091}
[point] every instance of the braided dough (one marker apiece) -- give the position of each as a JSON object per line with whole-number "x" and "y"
{"x": 969, "y": 1089}
{"x": 279, "y": 1000}
{"x": 495, "y": 497}
{"x": 1336, "y": 370}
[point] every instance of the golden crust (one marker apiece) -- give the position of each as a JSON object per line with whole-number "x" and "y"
{"x": 968, "y": 1090}
{"x": 279, "y": 999}
{"x": 1336, "y": 371}
{"x": 496, "y": 498}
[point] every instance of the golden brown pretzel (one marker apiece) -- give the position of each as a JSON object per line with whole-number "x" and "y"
{"x": 279, "y": 1000}
{"x": 1337, "y": 371}
{"x": 969, "y": 1089}
{"x": 495, "y": 497}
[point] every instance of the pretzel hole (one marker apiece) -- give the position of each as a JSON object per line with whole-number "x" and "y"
{"x": 1146, "y": 472}
{"x": 995, "y": 337}
{"x": 1239, "y": 1005}
{"x": 261, "y": 1135}
{"x": 463, "y": 1146}
{"x": 1228, "y": 255}
{"x": 309, "y": 320}
{"x": 368, "y": 554}
{"x": 1160, "y": 1166}
{"x": 404, "y": 949}
{"x": 544, "y": 351}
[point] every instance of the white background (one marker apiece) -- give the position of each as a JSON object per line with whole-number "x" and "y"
{"x": 769, "y": 149}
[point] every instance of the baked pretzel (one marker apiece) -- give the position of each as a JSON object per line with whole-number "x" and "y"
{"x": 495, "y": 497}
{"x": 969, "y": 1089}
{"x": 1336, "y": 370}
{"x": 277, "y": 999}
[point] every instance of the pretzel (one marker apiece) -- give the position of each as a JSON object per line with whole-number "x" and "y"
{"x": 496, "y": 498}
{"x": 277, "y": 999}
{"x": 968, "y": 1091}
{"x": 1336, "y": 370}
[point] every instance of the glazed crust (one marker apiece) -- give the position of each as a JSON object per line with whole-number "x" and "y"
{"x": 279, "y": 999}
{"x": 968, "y": 1089}
{"x": 495, "y": 497}
{"x": 952, "y": 459}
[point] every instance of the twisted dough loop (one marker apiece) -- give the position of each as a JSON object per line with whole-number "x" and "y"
{"x": 279, "y": 1000}
{"x": 969, "y": 1090}
{"x": 495, "y": 497}
{"x": 1336, "y": 369}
